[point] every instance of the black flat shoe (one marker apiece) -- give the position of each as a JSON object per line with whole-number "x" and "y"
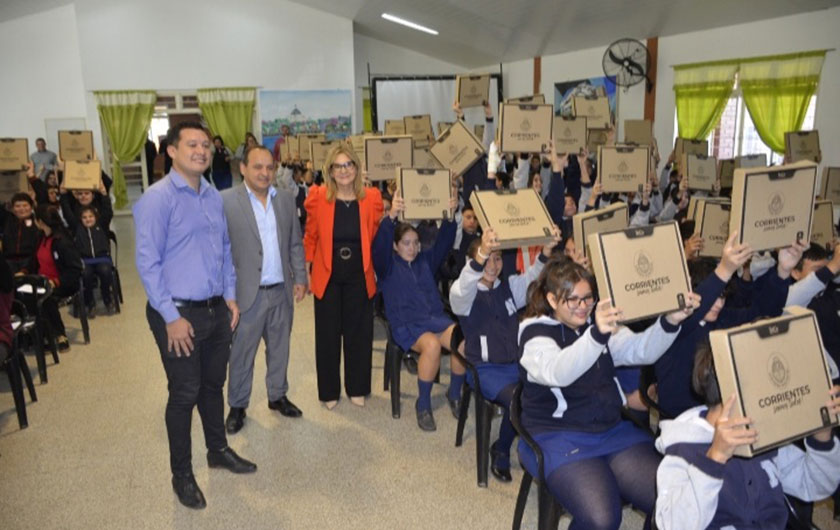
{"x": 454, "y": 406}
{"x": 500, "y": 464}
{"x": 285, "y": 407}
{"x": 228, "y": 459}
{"x": 188, "y": 492}
{"x": 410, "y": 364}
{"x": 235, "y": 420}
{"x": 425, "y": 420}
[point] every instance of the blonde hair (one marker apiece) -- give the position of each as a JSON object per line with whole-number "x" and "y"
{"x": 329, "y": 181}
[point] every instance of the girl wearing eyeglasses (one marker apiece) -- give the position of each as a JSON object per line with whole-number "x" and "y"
{"x": 406, "y": 278}
{"x": 571, "y": 399}
{"x": 341, "y": 219}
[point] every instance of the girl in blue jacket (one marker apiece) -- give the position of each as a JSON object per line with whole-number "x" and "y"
{"x": 701, "y": 486}
{"x": 571, "y": 399}
{"x": 486, "y": 304}
{"x": 413, "y": 306}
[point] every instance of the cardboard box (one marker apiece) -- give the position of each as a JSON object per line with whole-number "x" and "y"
{"x": 384, "y": 154}
{"x": 803, "y": 145}
{"x": 82, "y": 174}
{"x": 778, "y": 372}
{"x": 694, "y": 204}
{"x": 426, "y": 193}
{"x": 569, "y": 134}
{"x": 595, "y": 109}
{"x": 294, "y": 145}
{"x": 712, "y": 224}
{"x": 726, "y": 172}
{"x": 443, "y": 125}
{"x": 424, "y": 159}
{"x": 613, "y": 217}
{"x": 684, "y": 146}
{"x": 525, "y": 128}
{"x": 701, "y": 171}
{"x": 656, "y": 280}
{"x": 457, "y": 148}
{"x": 394, "y": 127}
{"x": 830, "y": 184}
{"x": 822, "y": 227}
{"x": 75, "y": 145}
{"x": 638, "y": 132}
{"x": 623, "y": 168}
{"x": 472, "y": 90}
{"x": 12, "y": 182}
{"x": 318, "y": 151}
{"x": 420, "y": 129}
{"x": 748, "y": 161}
{"x": 479, "y": 131}
{"x": 536, "y": 98}
{"x": 772, "y": 206}
{"x": 284, "y": 148}
{"x": 307, "y": 138}
{"x": 14, "y": 154}
{"x": 519, "y": 217}
{"x": 596, "y": 138}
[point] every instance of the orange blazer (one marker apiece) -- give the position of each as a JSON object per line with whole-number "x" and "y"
{"x": 318, "y": 237}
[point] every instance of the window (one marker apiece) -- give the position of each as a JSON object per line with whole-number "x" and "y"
{"x": 735, "y": 134}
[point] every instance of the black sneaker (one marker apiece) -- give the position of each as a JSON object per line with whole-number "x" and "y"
{"x": 62, "y": 344}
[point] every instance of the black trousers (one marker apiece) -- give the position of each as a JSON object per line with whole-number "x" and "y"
{"x": 104, "y": 272}
{"x": 50, "y": 307}
{"x": 344, "y": 316}
{"x": 195, "y": 380}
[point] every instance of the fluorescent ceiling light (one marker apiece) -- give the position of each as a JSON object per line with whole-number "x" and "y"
{"x": 408, "y": 23}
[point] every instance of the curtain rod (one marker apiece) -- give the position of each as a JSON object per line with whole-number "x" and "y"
{"x": 757, "y": 57}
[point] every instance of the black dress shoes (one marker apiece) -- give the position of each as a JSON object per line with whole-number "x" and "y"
{"x": 228, "y": 459}
{"x": 285, "y": 407}
{"x": 235, "y": 419}
{"x": 500, "y": 464}
{"x": 188, "y": 491}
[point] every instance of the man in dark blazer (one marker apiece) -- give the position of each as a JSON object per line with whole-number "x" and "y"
{"x": 269, "y": 262}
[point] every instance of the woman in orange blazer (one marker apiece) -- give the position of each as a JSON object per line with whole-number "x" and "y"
{"x": 342, "y": 219}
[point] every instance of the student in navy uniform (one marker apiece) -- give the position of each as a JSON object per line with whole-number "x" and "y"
{"x": 673, "y": 369}
{"x": 571, "y": 401}
{"x": 406, "y": 278}
{"x": 701, "y": 486}
{"x": 95, "y": 248}
{"x": 487, "y": 307}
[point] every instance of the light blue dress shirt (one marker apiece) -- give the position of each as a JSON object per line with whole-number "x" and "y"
{"x": 272, "y": 266}
{"x": 183, "y": 248}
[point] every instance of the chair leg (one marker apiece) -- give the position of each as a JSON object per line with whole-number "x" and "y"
{"x": 386, "y": 367}
{"x": 396, "y": 364}
{"x": 549, "y": 510}
{"x": 521, "y": 500}
{"x": 480, "y": 441}
{"x": 462, "y": 414}
{"x": 50, "y": 334}
{"x": 27, "y": 375}
{"x": 12, "y": 366}
{"x": 40, "y": 356}
{"x": 118, "y": 285}
{"x": 83, "y": 318}
{"x": 836, "y": 499}
{"x": 483, "y": 458}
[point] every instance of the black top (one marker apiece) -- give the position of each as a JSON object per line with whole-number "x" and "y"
{"x": 221, "y": 161}
{"x": 347, "y": 225}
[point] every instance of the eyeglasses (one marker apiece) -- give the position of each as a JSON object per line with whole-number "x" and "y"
{"x": 573, "y": 302}
{"x": 347, "y": 166}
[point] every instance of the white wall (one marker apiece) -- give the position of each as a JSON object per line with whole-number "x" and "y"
{"x": 388, "y": 59}
{"x": 42, "y": 75}
{"x": 809, "y": 31}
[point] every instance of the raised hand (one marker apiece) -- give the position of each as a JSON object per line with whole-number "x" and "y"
{"x": 692, "y": 302}
{"x": 833, "y": 405}
{"x": 549, "y": 247}
{"x": 790, "y": 256}
{"x": 607, "y": 317}
{"x": 397, "y": 205}
{"x": 735, "y": 256}
{"x": 729, "y": 434}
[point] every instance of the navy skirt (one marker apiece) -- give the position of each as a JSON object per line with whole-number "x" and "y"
{"x": 407, "y": 334}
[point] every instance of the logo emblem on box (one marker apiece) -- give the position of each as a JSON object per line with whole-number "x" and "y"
{"x": 525, "y": 125}
{"x": 777, "y": 204}
{"x": 778, "y": 369}
{"x": 643, "y": 263}
{"x": 622, "y": 166}
{"x": 512, "y": 210}
{"x": 453, "y": 149}
{"x": 387, "y": 156}
{"x": 425, "y": 191}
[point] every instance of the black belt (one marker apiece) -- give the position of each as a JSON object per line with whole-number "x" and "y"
{"x": 270, "y": 286}
{"x": 210, "y": 302}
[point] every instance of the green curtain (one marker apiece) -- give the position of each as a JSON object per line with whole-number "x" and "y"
{"x": 228, "y": 111}
{"x": 126, "y": 116}
{"x": 777, "y": 91}
{"x": 702, "y": 92}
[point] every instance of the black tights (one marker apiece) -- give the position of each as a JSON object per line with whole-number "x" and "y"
{"x": 594, "y": 490}
{"x": 506, "y": 432}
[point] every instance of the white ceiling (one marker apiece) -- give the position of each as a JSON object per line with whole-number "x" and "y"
{"x": 478, "y": 33}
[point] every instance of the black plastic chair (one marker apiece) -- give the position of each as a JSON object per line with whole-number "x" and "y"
{"x": 15, "y": 366}
{"x": 549, "y": 509}
{"x": 32, "y": 290}
{"x": 26, "y": 327}
{"x": 484, "y": 411}
{"x": 117, "y": 284}
{"x": 77, "y": 303}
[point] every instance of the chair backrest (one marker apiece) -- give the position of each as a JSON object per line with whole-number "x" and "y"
{"x": 116, "y": 250}
{"x": 516, "y": 421}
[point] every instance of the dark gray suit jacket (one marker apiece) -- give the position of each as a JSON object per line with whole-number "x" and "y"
{"x": 246, "y": 245}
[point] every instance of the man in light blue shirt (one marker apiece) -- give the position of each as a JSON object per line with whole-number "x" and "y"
{"x": 184, "y": 261}
{"x": 268, "y": 256}
{"x": 43, "y": 159}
